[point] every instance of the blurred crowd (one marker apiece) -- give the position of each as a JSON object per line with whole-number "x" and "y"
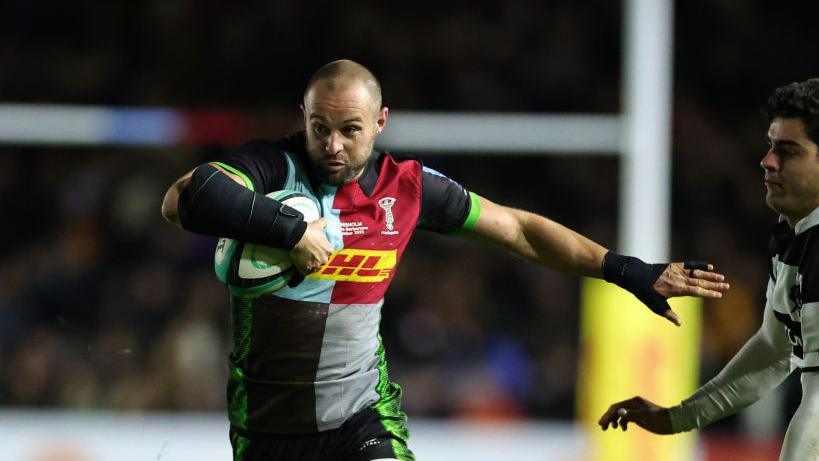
{"x": 103, "y": 305}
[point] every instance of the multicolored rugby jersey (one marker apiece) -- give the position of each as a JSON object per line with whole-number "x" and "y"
{"x": 306, "y": 359}
{"x": 793, "y": 287}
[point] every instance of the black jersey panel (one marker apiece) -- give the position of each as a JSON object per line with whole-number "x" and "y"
{"x": 809, "y": 267}
{"x": 263, "y": 162}
{"x": 286, "y": 338}
{"x": 445, "y": 204}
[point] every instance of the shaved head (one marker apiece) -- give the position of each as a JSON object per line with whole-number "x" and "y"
{"x": 342, "y": 75}
{"x": 342, "y": 117}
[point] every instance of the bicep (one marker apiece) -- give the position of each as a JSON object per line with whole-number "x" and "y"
{"x": 497, "y": 223}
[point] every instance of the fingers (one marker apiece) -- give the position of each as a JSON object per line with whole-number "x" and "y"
{"x": 640, "y": 411}
{"x": 611, "y": 415}
{"x": 672, "y": 317}
{"x": 706, "y": 275}
{"x": 314, "y": 265}
{"x": 618, "y": 415}
{"x": 704, "y": 288}
{"x": 623, "y": 414}
{"x": 690, "y": 266}
{"x": 703, "y": 275}
{"x": 700, "y": 292}
{"x": 677, "y": 281}
{"x": 322, "y": 222}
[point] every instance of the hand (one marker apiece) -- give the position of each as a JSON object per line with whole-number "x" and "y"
{"x": 689, "y": 279}
{"x": 653, "y": 284}
{"x": 313, "y": 250}
{"x": 644, "y": 413}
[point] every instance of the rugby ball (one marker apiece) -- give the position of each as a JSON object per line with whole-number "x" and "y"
{"x": 251, "y": 270}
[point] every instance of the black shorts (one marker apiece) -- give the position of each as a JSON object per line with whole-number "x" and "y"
{"x": 361, "y": 438}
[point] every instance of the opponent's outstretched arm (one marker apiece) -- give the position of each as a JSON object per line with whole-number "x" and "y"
{"x": 552, "y": 245}
{"x": 761, "y": 364}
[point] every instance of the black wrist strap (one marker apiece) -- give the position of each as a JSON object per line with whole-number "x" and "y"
{"x": 637, "y": 277}
{"x": 214, "y": 204}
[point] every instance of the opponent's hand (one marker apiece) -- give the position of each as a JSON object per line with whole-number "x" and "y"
{"x": 642, "y": 412}
{"x": 313, "y": 250}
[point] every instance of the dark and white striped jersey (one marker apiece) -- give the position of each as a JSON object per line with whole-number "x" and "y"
{"x": 793, "y": 287}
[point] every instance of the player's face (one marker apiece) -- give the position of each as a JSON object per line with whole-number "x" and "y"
{"x": 791, "y": 170}
{"x": 341, "y": 123}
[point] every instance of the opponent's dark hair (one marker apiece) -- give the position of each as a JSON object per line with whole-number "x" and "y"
{"x": 797, "y": 99}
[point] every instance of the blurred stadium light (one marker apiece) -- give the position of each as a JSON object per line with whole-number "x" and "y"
{"x": 448, "y": 132}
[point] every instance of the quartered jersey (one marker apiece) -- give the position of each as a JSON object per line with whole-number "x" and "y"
{"x": 793, "y": 287}
{"x": 305, "y": 359}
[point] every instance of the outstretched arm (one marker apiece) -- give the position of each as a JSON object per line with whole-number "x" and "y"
{"x": 547, "y": 243}
{"x": 761, "y": 364}
{"x": 538, "y": 239}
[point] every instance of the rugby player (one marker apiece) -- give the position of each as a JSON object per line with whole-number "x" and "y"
{"x": 788, "y": 339}
{"x": 308, "y": 375}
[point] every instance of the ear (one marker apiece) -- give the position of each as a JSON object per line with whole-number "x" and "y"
{"x": 305, "y": 117}
{"x": 381, "y": 119}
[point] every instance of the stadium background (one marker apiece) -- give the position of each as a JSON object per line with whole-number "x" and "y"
{"x": 105, "y": 307}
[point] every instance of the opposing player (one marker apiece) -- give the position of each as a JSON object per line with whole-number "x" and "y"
{"x": 308, "y": 374}
{"x": 789, "y": 337}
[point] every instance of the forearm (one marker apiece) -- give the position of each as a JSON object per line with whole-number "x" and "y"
{"x": 538, "y": 239}
{"x": 213, "y": 204}
{"x": 756, "y": 369}
{"x": 553, "y": 245}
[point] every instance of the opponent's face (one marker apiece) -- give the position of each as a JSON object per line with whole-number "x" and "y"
{"x": 791, "y": 170}
{"x": 341, "y": 122}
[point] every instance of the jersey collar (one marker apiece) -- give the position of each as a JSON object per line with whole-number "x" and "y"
{"x": 369, "y": 177}
{"x": 807, "y": 222}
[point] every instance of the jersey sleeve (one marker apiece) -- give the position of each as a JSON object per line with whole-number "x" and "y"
{"x": 446, "y": 207}
{"x": 809, "y": 314}
{"x": 260, "y": 164}
{"x": 762, "y": 364}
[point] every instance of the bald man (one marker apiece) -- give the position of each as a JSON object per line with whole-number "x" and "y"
{"x": 308, "y": 374}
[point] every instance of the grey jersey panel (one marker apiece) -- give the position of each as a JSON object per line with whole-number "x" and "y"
{"x": 347, "y": 376}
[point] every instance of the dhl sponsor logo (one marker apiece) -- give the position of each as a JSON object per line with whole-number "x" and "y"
{"x": 351, "y": 265}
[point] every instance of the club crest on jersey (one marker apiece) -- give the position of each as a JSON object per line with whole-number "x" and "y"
{"x": 386, "y": 204}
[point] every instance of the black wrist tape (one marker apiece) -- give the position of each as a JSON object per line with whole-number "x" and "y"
{"x": 637, "y": 277}
{"x": 214, "y": 204}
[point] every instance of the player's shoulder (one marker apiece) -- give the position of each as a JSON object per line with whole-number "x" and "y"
{"x": 408, "y": 160}
{"x": 294, "y": 143}
{"x": 386, "y": 162}
{"x": 395, "y": 158}
{"x": 780, "y": 241}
